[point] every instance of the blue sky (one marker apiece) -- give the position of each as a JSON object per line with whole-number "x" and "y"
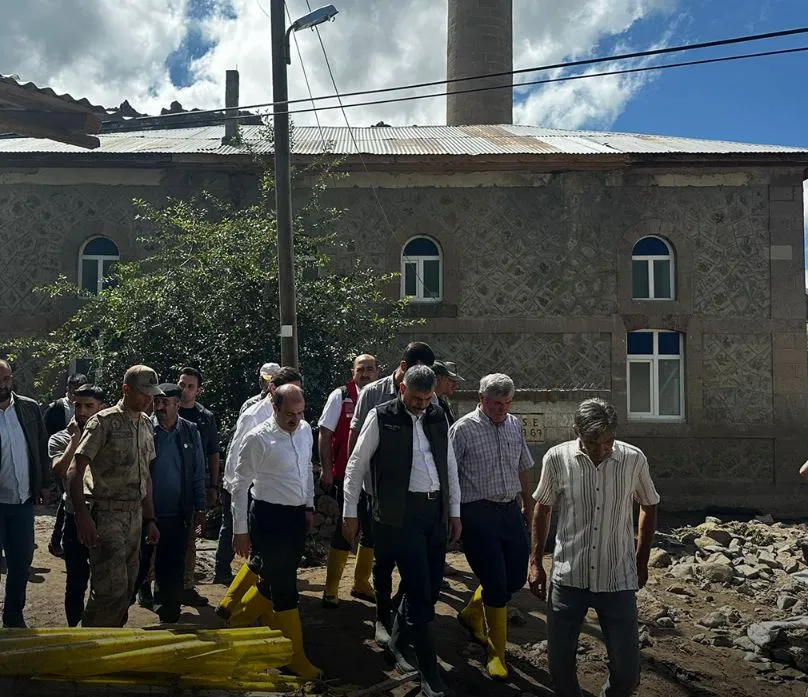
{"x": 761, "y": 100}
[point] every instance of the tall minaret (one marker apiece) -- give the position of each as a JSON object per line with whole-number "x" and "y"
{"x": 480, "y": 42}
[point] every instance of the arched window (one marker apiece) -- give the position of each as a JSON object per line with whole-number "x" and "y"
{"x": 421, "y": 273}
{"x": 652, "y": 270}
{"x": 98, "y": 256}
{"x": 655, "y": 375}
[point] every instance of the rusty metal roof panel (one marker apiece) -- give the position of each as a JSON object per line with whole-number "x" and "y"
{"x": 468, "y": 141}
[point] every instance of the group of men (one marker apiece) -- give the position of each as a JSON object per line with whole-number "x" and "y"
{"x": 408, "y": 477}
{"x": 141, "y": 465}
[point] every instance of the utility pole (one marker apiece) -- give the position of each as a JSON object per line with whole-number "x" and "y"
{"x": 283, "y": 188}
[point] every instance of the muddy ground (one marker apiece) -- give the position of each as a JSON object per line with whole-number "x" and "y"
{"x": 339, "y": 640}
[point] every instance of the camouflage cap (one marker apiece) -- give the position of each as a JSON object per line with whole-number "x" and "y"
{"x": 447, "y": 369}
{"x": 143, "y": 379}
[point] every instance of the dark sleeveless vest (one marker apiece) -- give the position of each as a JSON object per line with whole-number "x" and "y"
{"x": 391, "y": 464}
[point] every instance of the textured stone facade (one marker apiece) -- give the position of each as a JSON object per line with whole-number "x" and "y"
{"x": 537, "y": 283}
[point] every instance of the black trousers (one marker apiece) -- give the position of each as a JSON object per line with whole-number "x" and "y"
{"x": 496, "y": 545}
{"x": 278, "y": 537}
{"x": 169, "y": 566}
{"x": 77, "y": 569}
{"x": 418, "y": 548}
{"x": 363, "y": 513}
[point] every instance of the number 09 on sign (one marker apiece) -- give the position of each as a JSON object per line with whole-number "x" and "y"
{"x": 532, "y": 426}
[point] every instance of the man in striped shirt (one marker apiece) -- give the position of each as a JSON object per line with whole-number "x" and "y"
{"x": 593, "y": 481}
{"x": 493, "y": 462}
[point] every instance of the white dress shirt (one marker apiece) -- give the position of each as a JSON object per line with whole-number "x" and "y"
{"x": 278, "y": 466}
{"x": 15, "y": 479}
{"x": 252, "y": 416}
{"x": 594, "y": 546}
{"x": 424, "y": 473}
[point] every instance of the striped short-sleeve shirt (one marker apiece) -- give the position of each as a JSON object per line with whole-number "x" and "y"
{"x": 594, "y": 546}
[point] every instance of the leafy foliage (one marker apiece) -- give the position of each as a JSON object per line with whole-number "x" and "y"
{"x": 205, "y": 294}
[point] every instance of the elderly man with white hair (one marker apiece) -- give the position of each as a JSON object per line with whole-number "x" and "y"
{"x": 493, "y": 462}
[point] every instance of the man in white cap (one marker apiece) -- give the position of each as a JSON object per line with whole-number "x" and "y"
{"x": 265, "y": 375}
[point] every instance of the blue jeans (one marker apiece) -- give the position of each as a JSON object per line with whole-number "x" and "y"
{"x": 617, "y": 614}
{"x": 17, "y": 543}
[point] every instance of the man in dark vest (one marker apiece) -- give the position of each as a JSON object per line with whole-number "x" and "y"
{"x": 178, "y": 491}
{"x": 335, "y": 427}
{"x": 404, "y": 445}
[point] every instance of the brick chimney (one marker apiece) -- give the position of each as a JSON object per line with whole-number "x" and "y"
{"x": 231, "y": 135}
{"x": 480, "y": 41}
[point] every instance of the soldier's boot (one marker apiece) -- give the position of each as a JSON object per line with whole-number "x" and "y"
{"x": 362, "y": 587}
{"x": 288, "y": 622}
{"x": 337, "y": 559}
{"x": 497, "y": 618}
{"x": 252, "y": 606}
{"x": 244, "y": 580}
{"x": 472, "y": 617}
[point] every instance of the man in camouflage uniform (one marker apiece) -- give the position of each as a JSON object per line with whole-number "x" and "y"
{"x": 110, "y": 487}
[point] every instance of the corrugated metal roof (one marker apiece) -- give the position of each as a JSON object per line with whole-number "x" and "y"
{"x": 404, "y": 141}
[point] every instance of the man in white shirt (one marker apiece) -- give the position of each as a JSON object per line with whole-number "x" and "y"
{"x": 335, "y": 428}
{"x": 247, "y": 575}
{"x": 404, "y": 445}
{"x": 593, "y": 481}
{"x": 275, "y": 459}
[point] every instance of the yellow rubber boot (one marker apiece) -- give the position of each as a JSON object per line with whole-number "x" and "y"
{"x": 288, "y": 622}
{"x": 472, "y": 617}
{"x": 337, "y": 559}
{"x": 243, "y": 581}
{"x": 252, "y": 606}
{"x": 497, "y": 618}
{"x": 362, "y": 587}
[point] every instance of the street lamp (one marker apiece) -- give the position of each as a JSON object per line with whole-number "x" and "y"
{"x": 283, "y": 183}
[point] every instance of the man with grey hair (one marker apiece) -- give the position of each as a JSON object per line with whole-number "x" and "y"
{"x": 493, "y": 462}
{"x": 593, "y": 481}
{"x": 404, "y": 445}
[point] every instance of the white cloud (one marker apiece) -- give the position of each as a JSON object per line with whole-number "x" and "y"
{"x": 111, "y": 50}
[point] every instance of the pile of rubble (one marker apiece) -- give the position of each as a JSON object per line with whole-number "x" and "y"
{"x": 761, "y": 560}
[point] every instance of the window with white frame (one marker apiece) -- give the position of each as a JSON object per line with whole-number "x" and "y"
{"x": 652, "y": 270}
{"x": 655, "y": 376}
{"x": 421, "y": 272}
{"x": 98, "y": 256}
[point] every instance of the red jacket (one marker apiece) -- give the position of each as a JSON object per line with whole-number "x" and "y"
{"x": 339, "y": 441}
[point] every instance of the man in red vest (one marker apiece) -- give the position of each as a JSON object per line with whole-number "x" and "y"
{"x": 335, "y": 425}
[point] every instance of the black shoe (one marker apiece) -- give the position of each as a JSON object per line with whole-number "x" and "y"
{"x": 191, "y": 598}
{"x": 399, "y": 647}
{"x": 56, "y": 550}
{"x": 19, "y": 624}
{"x": 222, "y": 612}
{"x": 145, "y": 597}
{"x": 432, "y": 684}
{"x": 329, "y": 602}
{"x": 224, "y": 578}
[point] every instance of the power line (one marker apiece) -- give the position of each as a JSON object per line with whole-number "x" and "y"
{"x": 305, "y": 74}
{"x": 548, "y": 81}
{"x": 383, "y": 212}
{"x": 554, "y": 66}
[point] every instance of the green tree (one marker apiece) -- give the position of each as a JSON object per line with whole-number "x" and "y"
{"x": 205, "y": 294}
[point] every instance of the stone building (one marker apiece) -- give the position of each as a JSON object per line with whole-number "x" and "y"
{"x": 664, "y": 273}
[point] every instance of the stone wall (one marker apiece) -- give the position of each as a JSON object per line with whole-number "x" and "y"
{"x": 537, "y": 283}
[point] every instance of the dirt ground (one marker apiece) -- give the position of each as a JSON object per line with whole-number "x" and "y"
{"x": 339, "y": 641}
